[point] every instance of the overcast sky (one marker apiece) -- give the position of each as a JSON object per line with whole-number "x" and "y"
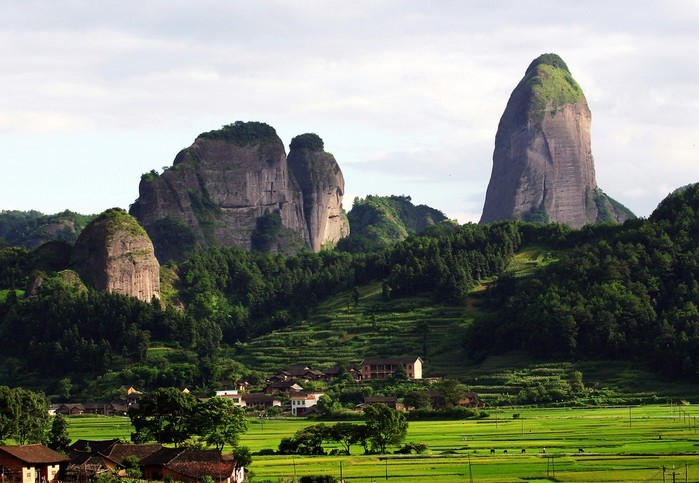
{"x": 406, "y": 94}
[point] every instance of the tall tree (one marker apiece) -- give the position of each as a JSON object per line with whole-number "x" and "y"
{"x": 58, "y": 439}
{"x": 166, "y": 417}
{"x": 385, "y": 426}
{"x": 9, "y": 412}
{"x": 34, "y": 417}
{"x": 220, "y": 422}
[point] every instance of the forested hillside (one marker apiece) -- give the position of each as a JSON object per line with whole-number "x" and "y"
{"x": 32, "y": 228}
{"x": 627, "y": 292}
{"x": 622, "y": 291}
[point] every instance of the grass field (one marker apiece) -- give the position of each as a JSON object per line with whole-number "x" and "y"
{"x": 621, "y": 444}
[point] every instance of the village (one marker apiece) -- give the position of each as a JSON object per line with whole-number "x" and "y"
{"x": 283, "y": 395}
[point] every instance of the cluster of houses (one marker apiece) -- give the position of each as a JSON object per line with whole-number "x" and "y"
{"x": 86, "y": 460}
{"x": 287, "y": 385}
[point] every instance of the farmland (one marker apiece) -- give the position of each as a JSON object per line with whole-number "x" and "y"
{"x": 618, "y": 444}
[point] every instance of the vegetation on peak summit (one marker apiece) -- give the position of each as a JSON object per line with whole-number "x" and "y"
{"x": 310, "y": 141}
{"x": 548, "y": 85}
{"x": 554, "y": 60}
{"x": 241, "y": 133}
{"x": 119, "y": 219}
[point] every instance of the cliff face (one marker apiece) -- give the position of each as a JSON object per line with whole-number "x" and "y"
{"x": 114, "y": 253}
{"x": 543, "y": 169}
{"x": 322, "y": 185}
{"x": 233, "y": 187}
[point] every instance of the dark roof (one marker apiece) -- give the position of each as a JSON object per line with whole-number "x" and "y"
{"x": 34, "y": 454}
{"x": 392, "y": 360}
{"x": 283, "y": 384}
{"x": 165, "y": 456}
{"x": 91, "y": 447}
{"x": 218, "y": 470}
{"x": 162, "y": 456}
{"x": 140, "y": 451}
{"x": 380, "y": 399}
{"x": 258, "y": 398}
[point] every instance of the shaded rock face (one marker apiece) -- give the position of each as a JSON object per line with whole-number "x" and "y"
{"x": 543, "y": 169}
{"x": 220, "y": 188}
{"x": 322, "y": 186}
{"x": 114, "y": 253}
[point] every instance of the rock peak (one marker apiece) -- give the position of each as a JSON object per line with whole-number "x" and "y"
{"x": 114, "y": 253}
{"x": 543, "y": 168}
{"x": 235, "y": 186}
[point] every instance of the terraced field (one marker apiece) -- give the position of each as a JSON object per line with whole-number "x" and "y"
{"x": 339, "y": 331}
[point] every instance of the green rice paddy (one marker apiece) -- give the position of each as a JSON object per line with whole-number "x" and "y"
{"x": 618, "y": 444}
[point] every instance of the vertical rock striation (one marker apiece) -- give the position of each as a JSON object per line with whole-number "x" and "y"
{"x": 543, "y": 169}
{"x": 322, "y": 185}
{"x": 234, "y": 187}
{"x": 114, "y": 253}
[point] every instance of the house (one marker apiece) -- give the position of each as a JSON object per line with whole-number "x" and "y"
{"x": 283, "y": 387}
{"x": 390, "y": 401}
{"x": 336, "y": 371}
{"x": 190, "y": 466}
{"x": 259, "y": 401}
{"x": 231, "y": 394}
{"x": 91, "y": 458}
{"x": 384, "y": 368}
{"x": 304, "y": 402}
{"x": 298, "y": 372}
{"x": 30, "y": 463}
{"x": 70, "y": 409}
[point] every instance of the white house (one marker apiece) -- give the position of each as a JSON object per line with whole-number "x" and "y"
{"x": 302, "y": 402}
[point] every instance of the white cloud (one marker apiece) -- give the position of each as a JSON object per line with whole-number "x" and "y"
{"x": 406, "y": 94}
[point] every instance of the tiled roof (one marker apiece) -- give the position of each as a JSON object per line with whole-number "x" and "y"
{"x": 141, "y": 451}
{"x": 34, "y": 454}
{"x": 165, "y": 456}
{"x": 218, "y": 470}
{"x": 391, "y": 360}
{"x": 258, "y": 398}
{"x": 88, "y": 446}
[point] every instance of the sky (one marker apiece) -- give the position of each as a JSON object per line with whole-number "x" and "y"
{"x": 406, "y": 94}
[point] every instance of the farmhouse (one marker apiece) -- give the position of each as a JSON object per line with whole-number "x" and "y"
{"x": 384, "y": 368}
{"x": 283, "y": 387}
{"x": 231, "y": 394}
{"x": 390, "y": 401}
{"x": 260, "y": 401}
{"x": 190, "y": 466}
{"x": 91, "y": 458}
{"x": 30, "y": 463}
{"x": 304, "y": 402}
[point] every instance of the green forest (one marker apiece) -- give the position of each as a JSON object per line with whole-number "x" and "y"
{"x": 620, "y": 292}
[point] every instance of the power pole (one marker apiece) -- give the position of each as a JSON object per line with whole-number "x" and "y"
{"x": 470, "y": 473}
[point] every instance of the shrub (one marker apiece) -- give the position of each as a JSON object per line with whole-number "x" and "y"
{"x": 318, "y": 479}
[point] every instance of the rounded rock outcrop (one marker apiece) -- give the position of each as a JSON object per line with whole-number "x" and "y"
{"x": 114, "y": 253}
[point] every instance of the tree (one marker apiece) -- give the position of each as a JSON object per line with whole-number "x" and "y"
{"x": 165, "y": 417}
{"x": 58, "y": 439}
{"x": 326, "y": 406}
{"x": 418, "y": 400}
{"x": 385, "y": 426}
{"x": 9, "y": 412}
{"x": 347, "y": 434}
{"x": 242, "y": 456}
{"x": 219, "y": 421}
{"x": 34, "y": 417}
{"x": 452, "y": 392}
